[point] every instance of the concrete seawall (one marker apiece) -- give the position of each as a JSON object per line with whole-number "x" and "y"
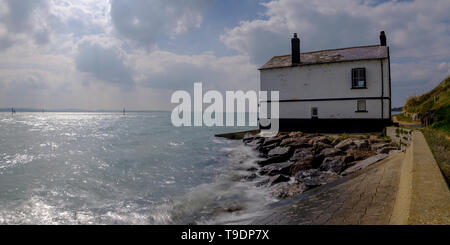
{"x": 423, "y": 196}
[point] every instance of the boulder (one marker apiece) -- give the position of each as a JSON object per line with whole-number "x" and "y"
{"x": 305, "y": 163}
{"x": 295, "y": 134}
{"x": 345, "y": 144}
{"x": 301, "y": 153}
{"x": 313, "y": 177}
{"x": 278, "y": 179}
{"x": 250, "y": 177}
{"x": 360, "y": 154}
{"x": 319, "y": 146}
{"x": 334, "y": 164}
{"x": 386, "y": 150}
{"x": 276, "y": 168}
{"x": 271, "y": 160}
{"x": 255, "y": 141}
{"x": 361, "y": 144}
{"x": 321, "y": 139}
{"x": 234, "y": 208}
{"x": 296, "y": 142}
{"x": 265, "y": 149}
{"x": 274, "y": 140}
{"x": 250, "y": 137}
{"x": 263, "y": 182}
{"x": 280, "y": 151}
{"x": 287, "y": 190}
{"x": 331, "y": 152}
{"x": 279, "y": 154}
{"x": 377, "y": 146}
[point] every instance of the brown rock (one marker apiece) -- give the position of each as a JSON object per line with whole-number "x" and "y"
{"x": 274, "y": 159}
{"x": 331, "y": 152}
{"x": 386, "y": 150}
{"x": 376, "y": 147}
{"x": 360, "y": 154}
{"x": 265, "y": 149}
{"x": 276, "y": 168}
{"x": 361, "y": 144}
{"x": 345, "y": 144}
{"x": 319, "y": 146}
{"x": 301, "y": 153}
{"x": 287, "y": 190}
{"x": 305, "y": 163}
{"x": 278, "y": 179}
{"x": 274, "y": 140}
{"x": 313, "y": 177}
{"x": 334, "y": 164}
{"x": 280, "y": 151}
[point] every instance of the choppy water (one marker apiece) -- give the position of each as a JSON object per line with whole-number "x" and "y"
{"x": 105, "y": 168}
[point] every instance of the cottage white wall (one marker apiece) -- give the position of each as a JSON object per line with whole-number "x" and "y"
{"x": 328, "y": 81}
{"x": 343, "y": 109}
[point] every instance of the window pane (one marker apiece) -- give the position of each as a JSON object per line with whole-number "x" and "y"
{"x": 359, "y": 77}
{"x": 361, "y": 105}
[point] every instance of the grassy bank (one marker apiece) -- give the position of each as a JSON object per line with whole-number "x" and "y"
{"x": 432, "y": 108}
{"x": 402, "y": 117}
{"x": 439, "y": 142}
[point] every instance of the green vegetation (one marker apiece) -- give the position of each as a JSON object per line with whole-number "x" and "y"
{"x": 432, "y": 108}
{"x": 439, "y": 143}
{"x": 403, "y": 117}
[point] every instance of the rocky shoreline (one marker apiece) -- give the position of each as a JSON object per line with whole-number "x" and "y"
{"x": 293, "y": 163}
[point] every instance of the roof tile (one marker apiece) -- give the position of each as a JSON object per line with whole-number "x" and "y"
{"x": 330, "y": 56}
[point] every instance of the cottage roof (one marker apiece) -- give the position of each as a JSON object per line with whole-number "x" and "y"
{"x": 330, "y": 56}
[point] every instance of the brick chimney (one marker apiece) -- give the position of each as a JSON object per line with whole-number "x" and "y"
{"x": 382, "y": 38}
{"x": 295, "y": 41}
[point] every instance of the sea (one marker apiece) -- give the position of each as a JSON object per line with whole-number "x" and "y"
{"x": 109, "y": 168}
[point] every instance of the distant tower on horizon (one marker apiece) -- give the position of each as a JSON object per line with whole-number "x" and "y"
{"x": 123, "y": 111}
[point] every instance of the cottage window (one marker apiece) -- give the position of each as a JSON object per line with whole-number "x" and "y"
{"x": 314, "y": 113}
{"x": 361, "y": 106}
{"x": 359, "y": 78}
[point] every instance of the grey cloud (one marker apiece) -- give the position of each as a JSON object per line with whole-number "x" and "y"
{"x": 104, "y": 64}
{"x": 183, "y": 77}
{"x": 20, "y": 11}
{"x": 18, "y": 19}
{"x": 181, "y": 72}
{"x": 417, "y": 33}
{"x": 264, "y": 38}
{"x": 144, "y": 20}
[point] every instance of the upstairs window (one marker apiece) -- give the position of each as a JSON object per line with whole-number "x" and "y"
{"x": 359, "y": 78}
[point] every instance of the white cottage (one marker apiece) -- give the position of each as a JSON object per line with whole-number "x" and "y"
{"x": 346, "y": 89}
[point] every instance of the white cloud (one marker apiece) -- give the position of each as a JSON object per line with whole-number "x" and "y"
{"x": 414, "y": 28}
{"x": 62, "y": 53}
{"x": 418, "y": 33}
{"x": 144, "y": 20}
{"x": 165, "y": 70}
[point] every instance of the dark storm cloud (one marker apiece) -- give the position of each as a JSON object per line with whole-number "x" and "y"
{"x": 105, "y": 64}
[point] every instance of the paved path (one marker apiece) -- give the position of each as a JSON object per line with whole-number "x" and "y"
{"x": 430, "y": 199}
{"x": 366, "y": 197}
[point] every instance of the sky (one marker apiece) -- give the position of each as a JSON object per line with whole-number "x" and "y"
{"x": 110, "y": 54}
